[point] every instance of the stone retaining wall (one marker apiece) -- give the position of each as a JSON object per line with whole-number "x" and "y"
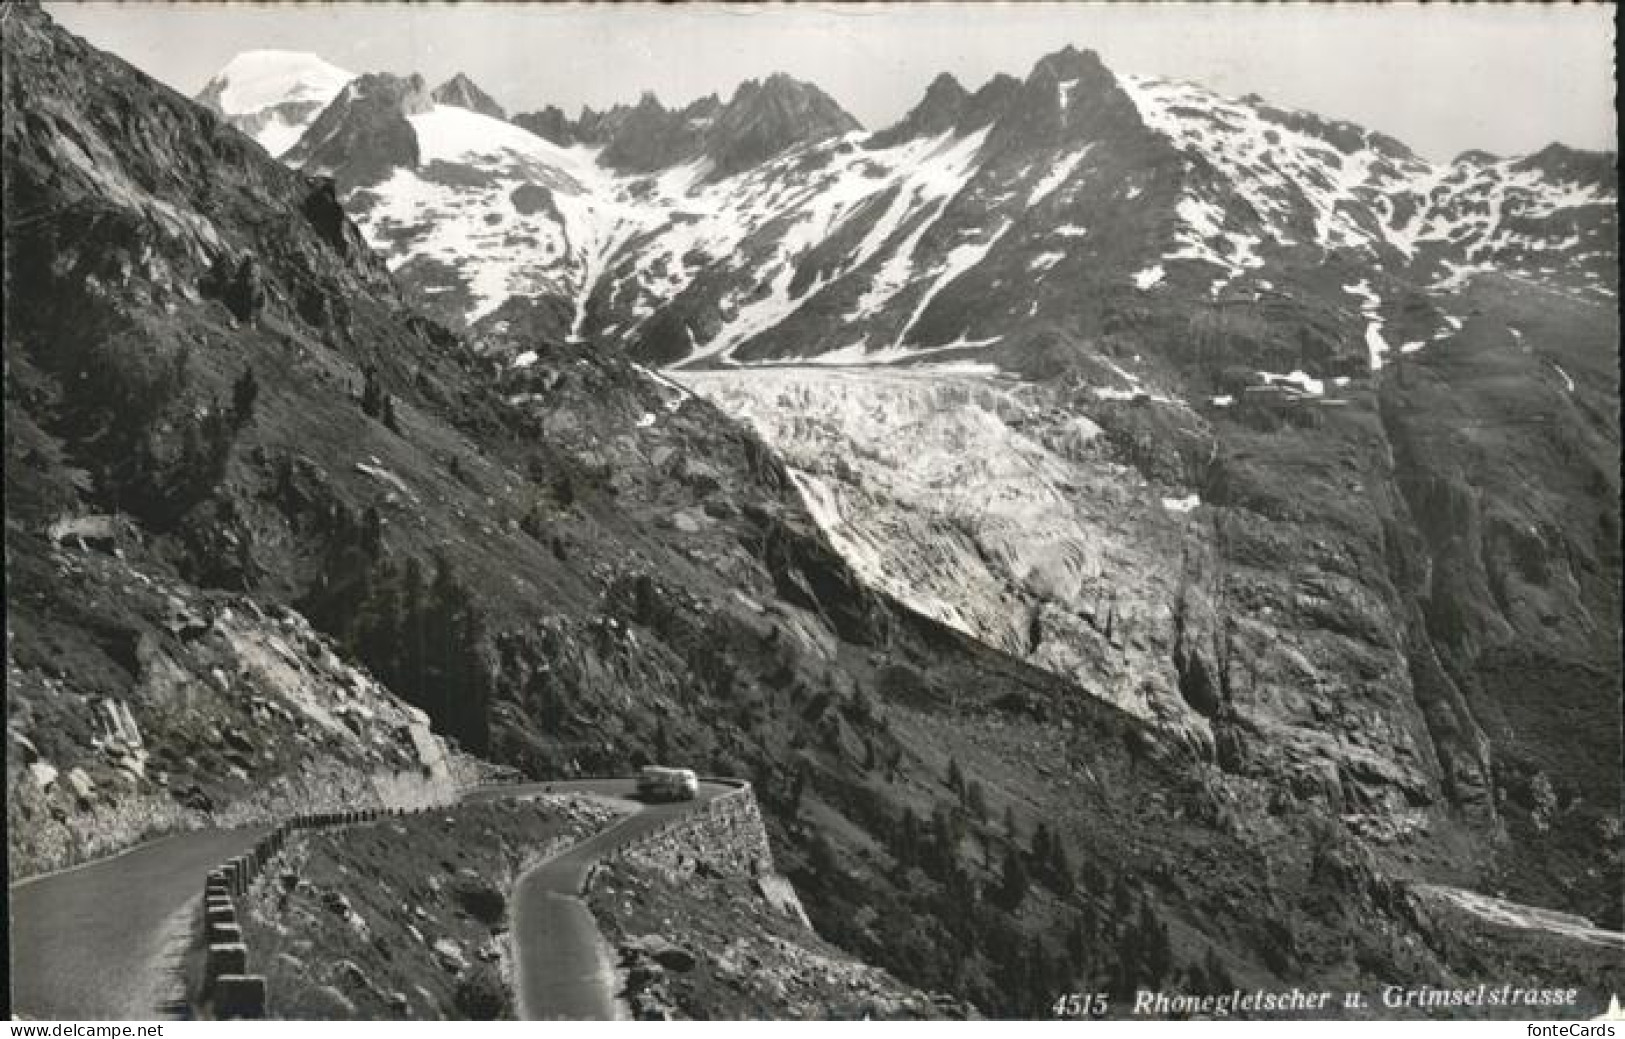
{"x": 725, "y": 835}
{"x": 109, "y": 829}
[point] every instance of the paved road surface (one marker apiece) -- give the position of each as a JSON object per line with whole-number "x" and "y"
{"x": 98, "y": 942}
{"x": 563, "y": 967}
{"x": 101, "y": 941}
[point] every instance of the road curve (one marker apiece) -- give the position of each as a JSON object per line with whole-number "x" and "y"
{"x": 100, "y": 941}
{"x": 562, "y": 968}
{"x": 96, "y": 942}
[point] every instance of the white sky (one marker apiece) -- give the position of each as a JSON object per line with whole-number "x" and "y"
{"x": 1508, "y": 78}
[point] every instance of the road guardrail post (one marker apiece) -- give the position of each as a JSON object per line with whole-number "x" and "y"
{"x": 223, "y": 958}
{"x": 239, "y": 996}
{"x": 224, "y": 933}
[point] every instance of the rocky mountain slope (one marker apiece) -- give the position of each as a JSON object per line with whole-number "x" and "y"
{"x": 145, "y": 692}
{"x": 1338, "y": 674}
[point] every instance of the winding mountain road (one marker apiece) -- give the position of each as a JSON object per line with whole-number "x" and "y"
{"x": 100, "y": 941}
{"x": 563, "y": 969}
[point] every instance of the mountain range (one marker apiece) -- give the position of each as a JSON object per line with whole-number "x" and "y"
{"x": 739, "y": 230}
{"x": 1227, "y": 493}
{"x": 1094, "y": 263}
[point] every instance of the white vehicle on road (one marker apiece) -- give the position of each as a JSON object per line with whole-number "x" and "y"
{"x": 668, "y": 784}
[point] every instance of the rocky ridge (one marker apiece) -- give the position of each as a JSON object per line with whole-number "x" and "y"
{"x": 463, "y": 92}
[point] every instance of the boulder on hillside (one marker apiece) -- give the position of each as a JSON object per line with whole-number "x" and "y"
{"x": 661, "y": 950}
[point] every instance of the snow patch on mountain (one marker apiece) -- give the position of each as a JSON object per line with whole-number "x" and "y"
{"x": 810, "y": 218}
{"x": 513, "y": 213}
{"x": 928, "y": 180}
{"x": 807, "y": 206}
{"x": 1370, "y": 306}
{"x": 1202, "y": 236}
{"x": 1298, "y": 380}
{"x": 1283, "y": 173}
{"x": 259, "y": 79}
{"x": 921, "y": 175}
{"x": 1335, "y": 186}
{"x": 453, "y": 134}
{"x": 1149, "y": 278}
{"x": 960, "y": 259}
{"x": 922, "y": 359}
{"x": 1490, "y": 209}
{"x": 1057, "y": 175}
{"x": 279, "y": 134}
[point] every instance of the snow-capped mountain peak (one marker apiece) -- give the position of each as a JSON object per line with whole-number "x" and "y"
{"x": 273, "y": 95}
{"x": 259, "y": 79}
